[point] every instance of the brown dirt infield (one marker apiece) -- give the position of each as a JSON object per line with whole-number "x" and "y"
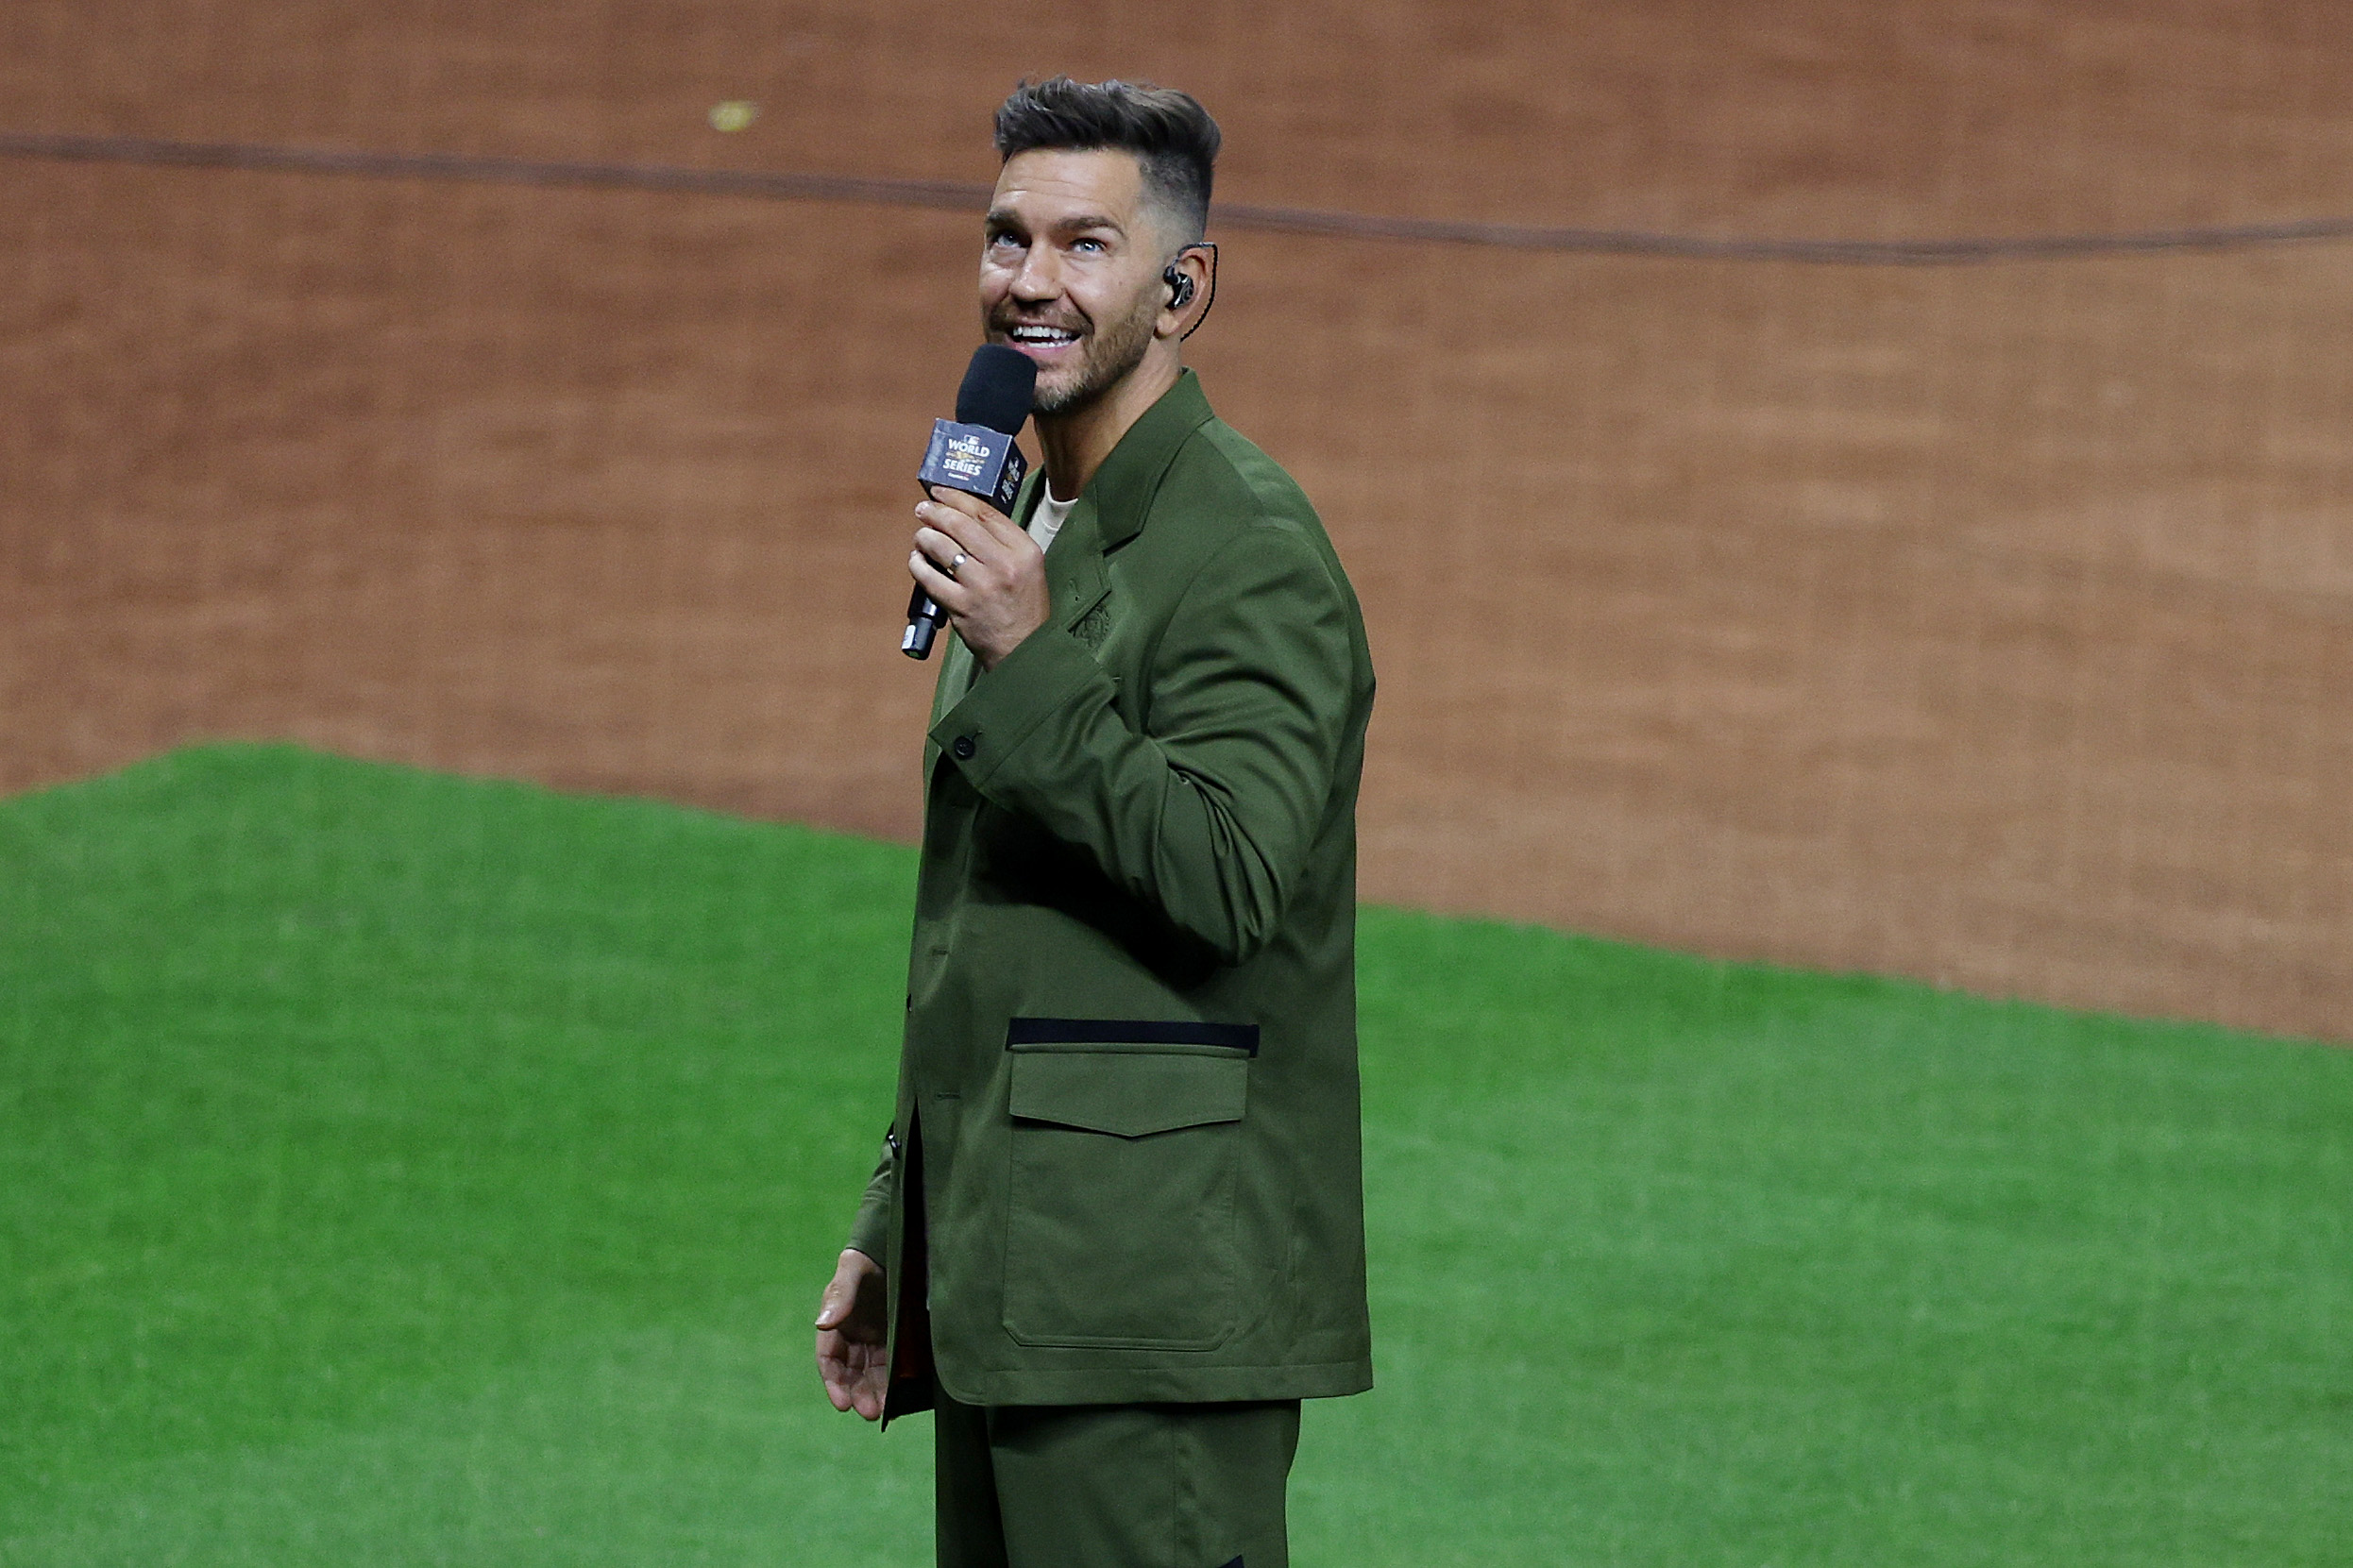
{"x": 1992, "y": 624}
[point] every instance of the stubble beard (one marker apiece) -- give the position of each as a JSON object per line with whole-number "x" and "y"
{"x": 1113, "y": 353}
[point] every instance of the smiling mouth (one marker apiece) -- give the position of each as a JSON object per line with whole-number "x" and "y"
{"x": 1037, "y": 340}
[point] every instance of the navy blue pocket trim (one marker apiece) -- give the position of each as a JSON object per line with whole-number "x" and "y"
{"x": 1086, "y": 1031}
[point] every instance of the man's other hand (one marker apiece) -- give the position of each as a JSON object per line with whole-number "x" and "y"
{"x": 988, "y": 575}
{"x": 849, "y": 1336}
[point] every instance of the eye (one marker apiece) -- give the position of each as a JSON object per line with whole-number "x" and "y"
{"x": 1090, "y": 246}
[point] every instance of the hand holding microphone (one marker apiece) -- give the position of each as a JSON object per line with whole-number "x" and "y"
{"x": 970, "y": 562}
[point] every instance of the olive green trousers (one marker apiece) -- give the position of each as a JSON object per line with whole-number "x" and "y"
{"x": 1114, "y": 1486}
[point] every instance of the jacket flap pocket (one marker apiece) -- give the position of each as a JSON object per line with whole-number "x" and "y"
{"x": 1128, "y": 1092}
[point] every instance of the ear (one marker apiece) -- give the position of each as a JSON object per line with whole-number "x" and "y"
{"x": 1181, "y": 309}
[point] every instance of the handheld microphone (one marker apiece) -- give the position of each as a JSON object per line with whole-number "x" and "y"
{"x": 975, "y": 453}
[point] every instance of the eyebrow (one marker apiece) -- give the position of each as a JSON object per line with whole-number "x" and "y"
{"x": 1004, "y": 217}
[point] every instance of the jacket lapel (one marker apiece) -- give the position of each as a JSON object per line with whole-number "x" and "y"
{"x": 1075, "y": 576}
{"x": 1111, "y": 510}
{"x": 1122, "y": 488}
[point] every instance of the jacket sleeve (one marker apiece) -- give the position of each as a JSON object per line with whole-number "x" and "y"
{"x": 871, "y": 1232}
{"x": 1208, "y": 813}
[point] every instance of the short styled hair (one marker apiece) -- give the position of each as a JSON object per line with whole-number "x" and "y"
{"x": 1171, "y": 135}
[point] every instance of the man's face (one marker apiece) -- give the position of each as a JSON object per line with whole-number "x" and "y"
{"x": 1070, "y": 273}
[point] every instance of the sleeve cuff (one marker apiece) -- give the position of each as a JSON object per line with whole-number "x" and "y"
{"x": 1007, "y": 704}
{"x": 871, "y": 1235}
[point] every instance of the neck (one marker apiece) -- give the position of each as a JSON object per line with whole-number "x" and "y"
{"x": 1076, "y": 442}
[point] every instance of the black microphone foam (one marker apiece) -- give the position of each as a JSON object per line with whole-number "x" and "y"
{"x": 998, "y": 386}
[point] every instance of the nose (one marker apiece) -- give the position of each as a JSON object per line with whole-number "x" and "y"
{"x": 1039, "y": 276}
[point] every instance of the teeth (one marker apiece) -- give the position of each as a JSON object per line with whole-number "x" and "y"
{"x": 1042, "y": 334}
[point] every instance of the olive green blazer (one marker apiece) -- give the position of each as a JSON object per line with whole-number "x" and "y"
{"x": 1129, "y": 1087}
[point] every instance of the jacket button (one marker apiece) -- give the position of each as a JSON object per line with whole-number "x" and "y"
{"x": 963, "y": 747}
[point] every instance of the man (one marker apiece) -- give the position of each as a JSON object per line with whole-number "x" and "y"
{"x": 1117, "y": 1232}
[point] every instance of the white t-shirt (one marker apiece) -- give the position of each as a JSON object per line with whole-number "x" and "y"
{"x": 1045, "y": 519}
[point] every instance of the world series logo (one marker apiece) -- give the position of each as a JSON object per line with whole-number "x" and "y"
{"x": 976, "y": 460}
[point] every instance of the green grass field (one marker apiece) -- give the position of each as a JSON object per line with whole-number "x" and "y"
{"x": 397, "y": 1169}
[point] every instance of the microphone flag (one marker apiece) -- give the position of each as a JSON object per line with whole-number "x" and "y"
{"x": 976, "y": 460}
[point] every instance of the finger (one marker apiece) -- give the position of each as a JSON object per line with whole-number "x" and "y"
{"x": 971, "y": 520}
{"x": 1003, "y": 532}
{"x": 964, "y": 503}
{"x": 968, "y": 533}
{"x": 945, "y": 591}
{"x": 832, "y": 1373}
{"x": 946, "y": 553}
{"x": 830, "y": 1311}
